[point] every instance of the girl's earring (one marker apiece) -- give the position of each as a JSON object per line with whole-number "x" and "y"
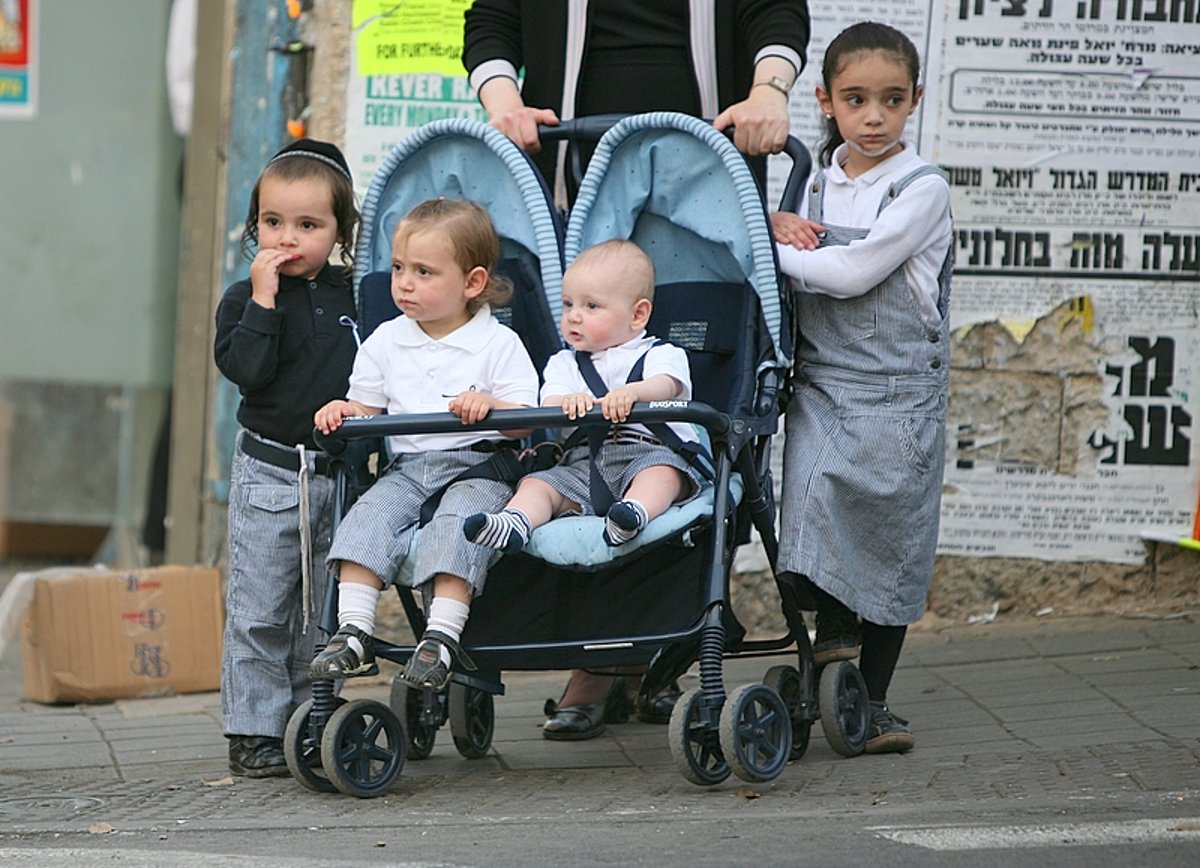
{"x": 828, "y": 117}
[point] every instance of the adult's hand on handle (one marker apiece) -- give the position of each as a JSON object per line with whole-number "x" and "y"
{"x": 521, "y": 125}
{"x": 508, "y": 113}
{"x": 760, "y": 122}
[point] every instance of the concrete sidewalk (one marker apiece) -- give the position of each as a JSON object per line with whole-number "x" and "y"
{"x": 1046, "y": 711}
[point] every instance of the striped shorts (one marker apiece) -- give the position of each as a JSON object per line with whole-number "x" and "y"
{"x": 619, "y": 463}
{"x": 378, "y": 530}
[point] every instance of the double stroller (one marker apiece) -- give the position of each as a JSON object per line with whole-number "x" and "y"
{"x": 685, "y": 195}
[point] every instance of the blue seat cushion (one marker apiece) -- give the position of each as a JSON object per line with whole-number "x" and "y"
{"x": 577, "y": 541}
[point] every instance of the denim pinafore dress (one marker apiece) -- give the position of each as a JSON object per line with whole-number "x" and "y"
{"x": 865, "y": 446}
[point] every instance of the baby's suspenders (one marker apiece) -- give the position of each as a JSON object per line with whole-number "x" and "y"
{"x": 602, "y": 497}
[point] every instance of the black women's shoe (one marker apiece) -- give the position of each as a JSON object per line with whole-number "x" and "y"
{"x": 580, "y": 722}
{"x": 658, "y": 708}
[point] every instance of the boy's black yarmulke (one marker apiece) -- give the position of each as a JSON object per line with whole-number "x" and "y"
{"x": 326, "y": 152}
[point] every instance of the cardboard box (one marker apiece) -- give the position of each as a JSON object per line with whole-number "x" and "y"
{"x": 93, "y": 635}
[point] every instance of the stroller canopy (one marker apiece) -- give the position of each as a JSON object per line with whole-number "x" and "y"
{"x": 460, "y": 158}
{"x": 684, "y": 194}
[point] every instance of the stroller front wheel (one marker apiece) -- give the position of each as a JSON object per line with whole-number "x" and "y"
{"x": 363, "y": 748}
{"x": 695, "y": 741}
{"x": 472, "y": 720}
{"x": 788, "y": 683}
{"x": 409, "y": 705}
{"x": 756, "y": 733}
{"x": 302, "y": 748}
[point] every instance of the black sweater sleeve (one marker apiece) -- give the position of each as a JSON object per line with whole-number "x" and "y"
{"x": 492, "y": 31}
{"x": 773, "y": 22}
{"x": 247, "y": 344}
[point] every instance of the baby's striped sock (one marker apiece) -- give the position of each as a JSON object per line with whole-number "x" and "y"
{"x": 507, "y": 530}
{"x": 625, "y": 520}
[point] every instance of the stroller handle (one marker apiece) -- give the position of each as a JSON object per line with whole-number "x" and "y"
{"x": 358, "y": 427}
{"x": 590, "y": 129}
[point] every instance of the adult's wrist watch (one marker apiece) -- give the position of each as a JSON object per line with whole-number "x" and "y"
{"x": 776, "y": 82}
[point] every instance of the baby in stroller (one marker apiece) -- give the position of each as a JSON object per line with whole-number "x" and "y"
{"x": 607, "y": 296}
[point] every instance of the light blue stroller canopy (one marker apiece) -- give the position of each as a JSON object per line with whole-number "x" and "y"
{"x": 684, "y": 194}
{"x": 460, "y": 158}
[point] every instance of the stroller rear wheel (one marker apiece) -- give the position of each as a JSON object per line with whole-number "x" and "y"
{"x": 302, "y": 749}
{"x": 472, "y": 720}
{"x": 408, "y": 704}
{"x": 756, "y": 733}
{"x": 844, "y": 708}
{"x": 362, "y": 750}
{"x": 695, "y": 741}
{"x": 787, "y": 682}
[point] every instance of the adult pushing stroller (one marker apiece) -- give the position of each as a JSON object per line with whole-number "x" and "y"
{"x": 678, "y": 189}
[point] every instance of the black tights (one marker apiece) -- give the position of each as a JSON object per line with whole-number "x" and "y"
{"x": 880, "y": 651}
{"x": 880, "y": 647}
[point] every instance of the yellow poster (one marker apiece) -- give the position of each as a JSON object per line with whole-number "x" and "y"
{"x": 395, "y": 37}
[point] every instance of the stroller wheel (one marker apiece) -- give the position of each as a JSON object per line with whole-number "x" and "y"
{"x": 844, "y": 708}
{"x": 362, "y": 750}
{"x": 756, "y": 733}
{"x": 695, "y": 741}
{"x": 472, "y": 720}
{"x": 786, "y": 681}
{"x": 302, "y": 749}
{"x": 406, "y": 702}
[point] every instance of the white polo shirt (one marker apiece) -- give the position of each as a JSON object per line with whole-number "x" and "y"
{"x": 403, "y": 370}
{"x": 563, "y": 377}
{"x": 914, "y": 231}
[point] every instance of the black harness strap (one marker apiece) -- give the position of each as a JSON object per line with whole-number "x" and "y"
{"x": 501, "y": 466}
{"x": 602, "y": 497}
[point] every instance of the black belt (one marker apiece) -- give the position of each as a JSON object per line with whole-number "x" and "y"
{"x": 277, "y": 456}
{"x": 494, "y": 445}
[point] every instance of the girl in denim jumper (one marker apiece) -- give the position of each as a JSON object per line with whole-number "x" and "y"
{"x": 871, "y": 266}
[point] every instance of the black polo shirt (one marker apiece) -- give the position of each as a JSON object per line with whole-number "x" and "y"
{"x": 290, "y": 361}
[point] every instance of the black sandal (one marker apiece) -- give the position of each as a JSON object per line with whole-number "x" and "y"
{"x": 426, "y": 669}
{"x": 339, "y": 660}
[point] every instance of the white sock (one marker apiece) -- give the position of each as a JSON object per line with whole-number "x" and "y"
{"x": 356, "y": 605}
{"x": 450, "y": 617}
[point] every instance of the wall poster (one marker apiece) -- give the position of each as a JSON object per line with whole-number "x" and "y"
{"x": 18, "y": 59}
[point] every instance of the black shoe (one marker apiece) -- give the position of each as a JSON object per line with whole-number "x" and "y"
{"x": 839, "y": 636}
{"x": 580, "y": 722}
{"x": 339, "y": 660}
{"x": 257, "y": 756}
{"x": 887, "y": 733}
{"x": 658, "y": 708}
